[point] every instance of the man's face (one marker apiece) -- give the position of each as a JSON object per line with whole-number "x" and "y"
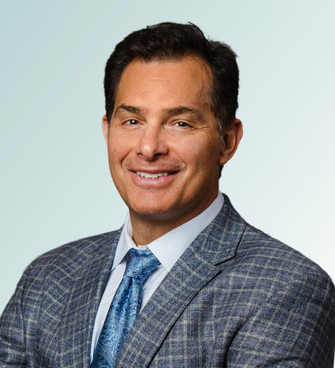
{"x": 163, "y": 142}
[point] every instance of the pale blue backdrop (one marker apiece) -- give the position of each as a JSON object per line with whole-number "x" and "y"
{"x": 55, "y": 184}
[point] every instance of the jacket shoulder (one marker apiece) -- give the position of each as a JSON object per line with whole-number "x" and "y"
{"x": 56, "y": 270}
{"x": 272, "y": 253}
{"x": 72, "y": 255}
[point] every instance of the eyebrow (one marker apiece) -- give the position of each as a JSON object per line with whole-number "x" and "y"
{"x": 131, "y": 109}
{"x": 179, "y": 110}
{"x": 184, "y": 110}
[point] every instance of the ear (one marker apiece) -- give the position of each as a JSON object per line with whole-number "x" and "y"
{"x": 105, "y": 128}
{"x": 230, "y": 140}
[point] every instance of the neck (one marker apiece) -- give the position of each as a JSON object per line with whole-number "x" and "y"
{"x": 148, "y": 228}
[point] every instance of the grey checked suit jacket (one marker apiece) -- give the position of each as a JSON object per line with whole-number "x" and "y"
{"x": 236, "y": 298}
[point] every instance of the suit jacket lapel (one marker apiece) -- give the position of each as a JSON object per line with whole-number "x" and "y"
{"x": 195, "y": 268}
{"x": 76, "y": 326}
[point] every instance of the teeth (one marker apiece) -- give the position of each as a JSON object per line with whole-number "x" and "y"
{"x": 151, "y": 176}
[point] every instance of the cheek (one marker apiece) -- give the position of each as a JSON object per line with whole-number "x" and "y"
{"x": 118, "y": 147}
{"x": 201, "y": 154}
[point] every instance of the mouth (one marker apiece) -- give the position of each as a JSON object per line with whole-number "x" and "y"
{"x": 153, "y": 176}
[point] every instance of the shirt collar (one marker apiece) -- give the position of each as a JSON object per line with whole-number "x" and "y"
{"x": 169, "y": 247}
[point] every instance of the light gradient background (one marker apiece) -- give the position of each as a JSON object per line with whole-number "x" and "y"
{"x": 55, "y": 183}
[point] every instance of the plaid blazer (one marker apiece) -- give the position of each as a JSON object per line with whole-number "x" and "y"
{"x": 235, "y": 298}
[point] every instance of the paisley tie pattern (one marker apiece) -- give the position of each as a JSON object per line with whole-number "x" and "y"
{"x": 124, "y": 308}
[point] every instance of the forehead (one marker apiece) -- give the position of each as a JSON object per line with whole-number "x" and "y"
{"x": 188, "y": 80}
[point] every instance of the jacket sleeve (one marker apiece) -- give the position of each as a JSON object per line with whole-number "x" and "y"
{"x": 12, "y": 331}
{"x": 295, "y": 327}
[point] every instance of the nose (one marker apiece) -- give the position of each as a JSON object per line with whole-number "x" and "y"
{"x": 152, "y": 143}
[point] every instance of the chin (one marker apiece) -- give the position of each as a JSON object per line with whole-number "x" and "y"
{"x": 150, "y": 211}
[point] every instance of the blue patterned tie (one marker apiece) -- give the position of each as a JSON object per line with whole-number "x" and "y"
{"x": 124, "y": 308}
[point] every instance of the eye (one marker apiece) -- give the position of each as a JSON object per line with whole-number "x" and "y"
{"x": 182, "y": 124}
{"x": 131, "y": 122}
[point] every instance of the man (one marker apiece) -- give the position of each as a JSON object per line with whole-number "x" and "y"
{"x": 218, "y": 292}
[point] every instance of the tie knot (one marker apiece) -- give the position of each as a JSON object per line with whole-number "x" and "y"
{"x": 140, "y": 263}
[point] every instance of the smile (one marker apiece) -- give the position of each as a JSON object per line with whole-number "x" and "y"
{"x": 151, "y": 176}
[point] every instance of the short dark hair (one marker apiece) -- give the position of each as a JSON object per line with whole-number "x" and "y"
{"x": 174, "y": 41}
